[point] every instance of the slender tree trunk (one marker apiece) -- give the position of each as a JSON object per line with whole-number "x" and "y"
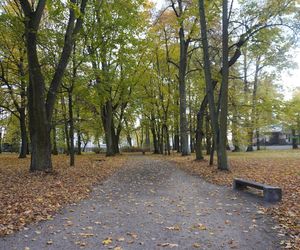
{"x": 168, "y": 146}
{"x": 116, "y": 137}
{"x": 54, "y": 147}
{"x": 0, "y": 138}
{"x": 71, "y": 123}
{"x": 78, "y": 132}
{"x": 129, "y": 140}
{"x": 294, "y": 139}
{"x": 212, "y": 153}
{"x": 176, "y": 142}
{"x": 257, "y": 139}
{"x": 199, "y": 136}
{"x": 66, "y": 125}
{"x": 147, "y": 137}
{"x": 208, "y": 137}
{"x": 155, "y": 141}
{"x": 24, "y": 143}
{"x": 207, "y": 73}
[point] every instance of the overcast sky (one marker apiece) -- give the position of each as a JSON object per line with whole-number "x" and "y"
{"x": 290, "y": 80}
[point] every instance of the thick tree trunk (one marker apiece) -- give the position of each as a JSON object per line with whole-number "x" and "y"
{"x": 24, "y": 137}
{"x": 221, "y": 148}
{"x": 41, "y": 108}
{"x": 39, "y": 125}
{"x": 107, "y": 117}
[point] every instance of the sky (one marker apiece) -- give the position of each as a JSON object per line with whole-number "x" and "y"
{"x": 290, "y": 79}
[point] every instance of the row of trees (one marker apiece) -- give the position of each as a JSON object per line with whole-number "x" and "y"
{"x": 99, "y": 70}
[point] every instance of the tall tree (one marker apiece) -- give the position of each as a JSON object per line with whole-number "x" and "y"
{"x": 41, "y": 104}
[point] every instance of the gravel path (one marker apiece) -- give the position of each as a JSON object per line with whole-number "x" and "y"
{"x": 151, "y": 204}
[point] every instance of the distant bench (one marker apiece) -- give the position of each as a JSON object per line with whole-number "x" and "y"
{"x": 271, "y": 194}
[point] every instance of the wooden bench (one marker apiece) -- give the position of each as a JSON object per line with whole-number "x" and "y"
{"x": 271, "y": 194}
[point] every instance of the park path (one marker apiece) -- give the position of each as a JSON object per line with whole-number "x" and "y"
{"x": 151, "y": 204}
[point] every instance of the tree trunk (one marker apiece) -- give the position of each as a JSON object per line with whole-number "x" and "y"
{"x": 182, "y": 93}
{"x": 129, "y": 140}
{"x": 71, "y": 123}
{"x": 116, "y": 137}
{"x": 221, "y": 150}
{"x": 207, "y": 134}
{"x": 0, "y": 139}
{"x": 66, "y": 124}
{"x": 208, "y": 78}
{"x": 155, "y": 141}
{"x": 176, "y": 142}
{"x": 147, "y": 137}
{"x": 40, "y": 109}
{"x": 199, "y": 136}
{"x": 294, "y": 139}
{"x": 54, "y": 147}
{"x": 250, "y": 142}
{"x": 78, "y": 133}
{"x": 39, "y": 125}
{"x": 24, "y": 137}
{"x": 107, "y": 117}
{"x": 257, "y": 139}
{"x": 212, "y": 152}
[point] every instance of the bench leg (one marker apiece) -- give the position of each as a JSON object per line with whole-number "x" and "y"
{"x": 237, "y": 185}
{"x": 272, "y": 194}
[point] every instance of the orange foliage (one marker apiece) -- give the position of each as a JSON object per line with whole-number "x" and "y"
{"x": 281, "y": 168}
{"x": 26, "y": 197}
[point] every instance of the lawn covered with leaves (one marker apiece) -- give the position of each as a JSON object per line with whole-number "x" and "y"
{"x": 278, "y": 168}
{"x": 27, "y": 197}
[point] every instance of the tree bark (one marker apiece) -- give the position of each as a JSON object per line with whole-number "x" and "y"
{"x": 107, "y": 117}
{"x": 24, "y": 137}
{"x": 41, "y": 108}
{"x": 155, "y": 141}
{"x": 207, "y": 73}
{"x": 66, "y": 124}
{"x": 78, "y": 132}
{"x": 294, "y": 139}
{"x": 221, "y": 148}
{"x": 182, "y": 94}
{"x": 71, "y": 125}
